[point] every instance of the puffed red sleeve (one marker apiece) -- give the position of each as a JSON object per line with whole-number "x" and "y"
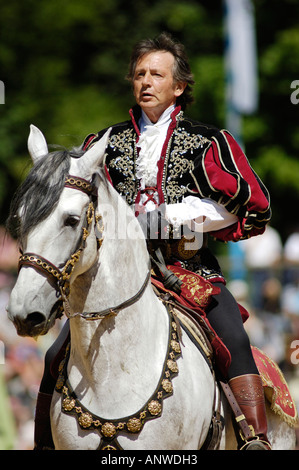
{"x": 230, "y": 181}
{"x": 90, "y": 140}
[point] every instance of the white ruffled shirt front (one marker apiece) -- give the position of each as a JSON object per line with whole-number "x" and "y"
{"x": 201, "y": 215}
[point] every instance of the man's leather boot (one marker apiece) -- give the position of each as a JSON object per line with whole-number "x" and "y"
{"x": 249, "y": 393}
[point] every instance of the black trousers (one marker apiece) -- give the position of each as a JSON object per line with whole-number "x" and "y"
{"x": 224, "y": 316}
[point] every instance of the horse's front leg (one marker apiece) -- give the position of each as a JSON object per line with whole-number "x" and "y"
{"x": 66, "y": 432}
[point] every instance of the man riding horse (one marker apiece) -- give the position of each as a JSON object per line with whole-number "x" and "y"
{"x": 186, "y": 174}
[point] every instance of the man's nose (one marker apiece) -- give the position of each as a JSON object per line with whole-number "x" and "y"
{"x": 147, "y": 80}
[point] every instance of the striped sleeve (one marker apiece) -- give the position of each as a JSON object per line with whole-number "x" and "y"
{"x": 233, "y": 183}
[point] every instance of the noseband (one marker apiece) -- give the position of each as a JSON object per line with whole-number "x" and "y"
{"x": 61, "y": 278}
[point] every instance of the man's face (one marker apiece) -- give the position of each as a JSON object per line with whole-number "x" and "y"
{"x": 153, "y": 84}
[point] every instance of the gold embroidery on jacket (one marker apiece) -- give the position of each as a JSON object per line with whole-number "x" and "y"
{"x": 124, "y": 144}
{"x": 177, "y": 166}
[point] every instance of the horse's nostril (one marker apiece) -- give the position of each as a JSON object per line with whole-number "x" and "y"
{"x": 35, "y": 318}
{"x": 32, "y": 324}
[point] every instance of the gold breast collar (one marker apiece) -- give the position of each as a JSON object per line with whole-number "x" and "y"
{"x": 110, "y": 429}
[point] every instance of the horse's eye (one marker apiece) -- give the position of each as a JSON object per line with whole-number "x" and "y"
{"x": 71, "y": 221}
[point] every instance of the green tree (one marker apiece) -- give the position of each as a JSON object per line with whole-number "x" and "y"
{"x": 64, "y": 63}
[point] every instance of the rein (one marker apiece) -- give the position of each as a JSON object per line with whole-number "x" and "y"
{"x": 114, "y": 310}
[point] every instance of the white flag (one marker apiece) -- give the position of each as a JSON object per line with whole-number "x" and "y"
{"x": 240, "y": 56}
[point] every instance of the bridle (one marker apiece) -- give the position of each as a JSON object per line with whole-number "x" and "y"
{"x": 61, "y": 277}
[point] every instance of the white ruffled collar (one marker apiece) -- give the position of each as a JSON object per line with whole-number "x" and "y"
{"x": 165, "y": 118}
{"x": 150, "y": 145}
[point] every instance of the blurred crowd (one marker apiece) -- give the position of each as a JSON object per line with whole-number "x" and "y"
{"x": 263, "y": 275}
{"x": 21, "y": 362}
{"x": 264, "y": 278}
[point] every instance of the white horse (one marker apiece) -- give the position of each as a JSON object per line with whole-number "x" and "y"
{"x": 129, "y": 381}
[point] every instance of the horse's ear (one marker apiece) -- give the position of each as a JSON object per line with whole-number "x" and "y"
{"x": 95, "y": 155}
{"x": 37, "y": 145}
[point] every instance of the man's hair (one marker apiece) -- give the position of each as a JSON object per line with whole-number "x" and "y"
{"x": 181, "y": 71}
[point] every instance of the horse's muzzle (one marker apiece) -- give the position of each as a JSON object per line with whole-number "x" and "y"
{"x": 34, "y": 324}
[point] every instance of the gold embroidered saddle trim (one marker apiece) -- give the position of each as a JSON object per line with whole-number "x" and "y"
{"x": 109, "y": 429}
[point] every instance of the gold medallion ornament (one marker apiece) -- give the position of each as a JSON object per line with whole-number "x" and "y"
{"x": 108, "y": 430}
{"x": 153, "y": 408}
{"x": 175, "y": 346}
{"x": 85, "y": 420}
{"x": 167, "y": 386}
{"x": 134, "y": 425}
{"x": 68, "y": 404}
{"x": 172, "y": 366}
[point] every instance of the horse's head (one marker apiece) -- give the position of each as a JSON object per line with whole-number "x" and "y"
{"x": 54, "y": 214}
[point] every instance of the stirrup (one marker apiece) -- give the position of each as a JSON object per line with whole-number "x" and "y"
{"x": 256, "y": 444}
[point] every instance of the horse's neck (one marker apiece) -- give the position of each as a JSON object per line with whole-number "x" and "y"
{"x": 116, "y": 350}
{"x": 122, "y": 263}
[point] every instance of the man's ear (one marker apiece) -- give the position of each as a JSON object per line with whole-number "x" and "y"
{"x": 179, "y": 88}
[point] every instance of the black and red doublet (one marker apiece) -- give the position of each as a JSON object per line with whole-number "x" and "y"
{"x": 196, "y": 160}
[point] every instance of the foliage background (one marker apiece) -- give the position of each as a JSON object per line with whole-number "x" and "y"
{"x": 63, "y": 64}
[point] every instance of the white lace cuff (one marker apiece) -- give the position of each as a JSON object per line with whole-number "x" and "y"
{"x": 201, "y": 215}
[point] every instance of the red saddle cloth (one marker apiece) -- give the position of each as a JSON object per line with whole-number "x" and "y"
{"x": 275, "y": 387}
{"x": 196, "y": 294}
